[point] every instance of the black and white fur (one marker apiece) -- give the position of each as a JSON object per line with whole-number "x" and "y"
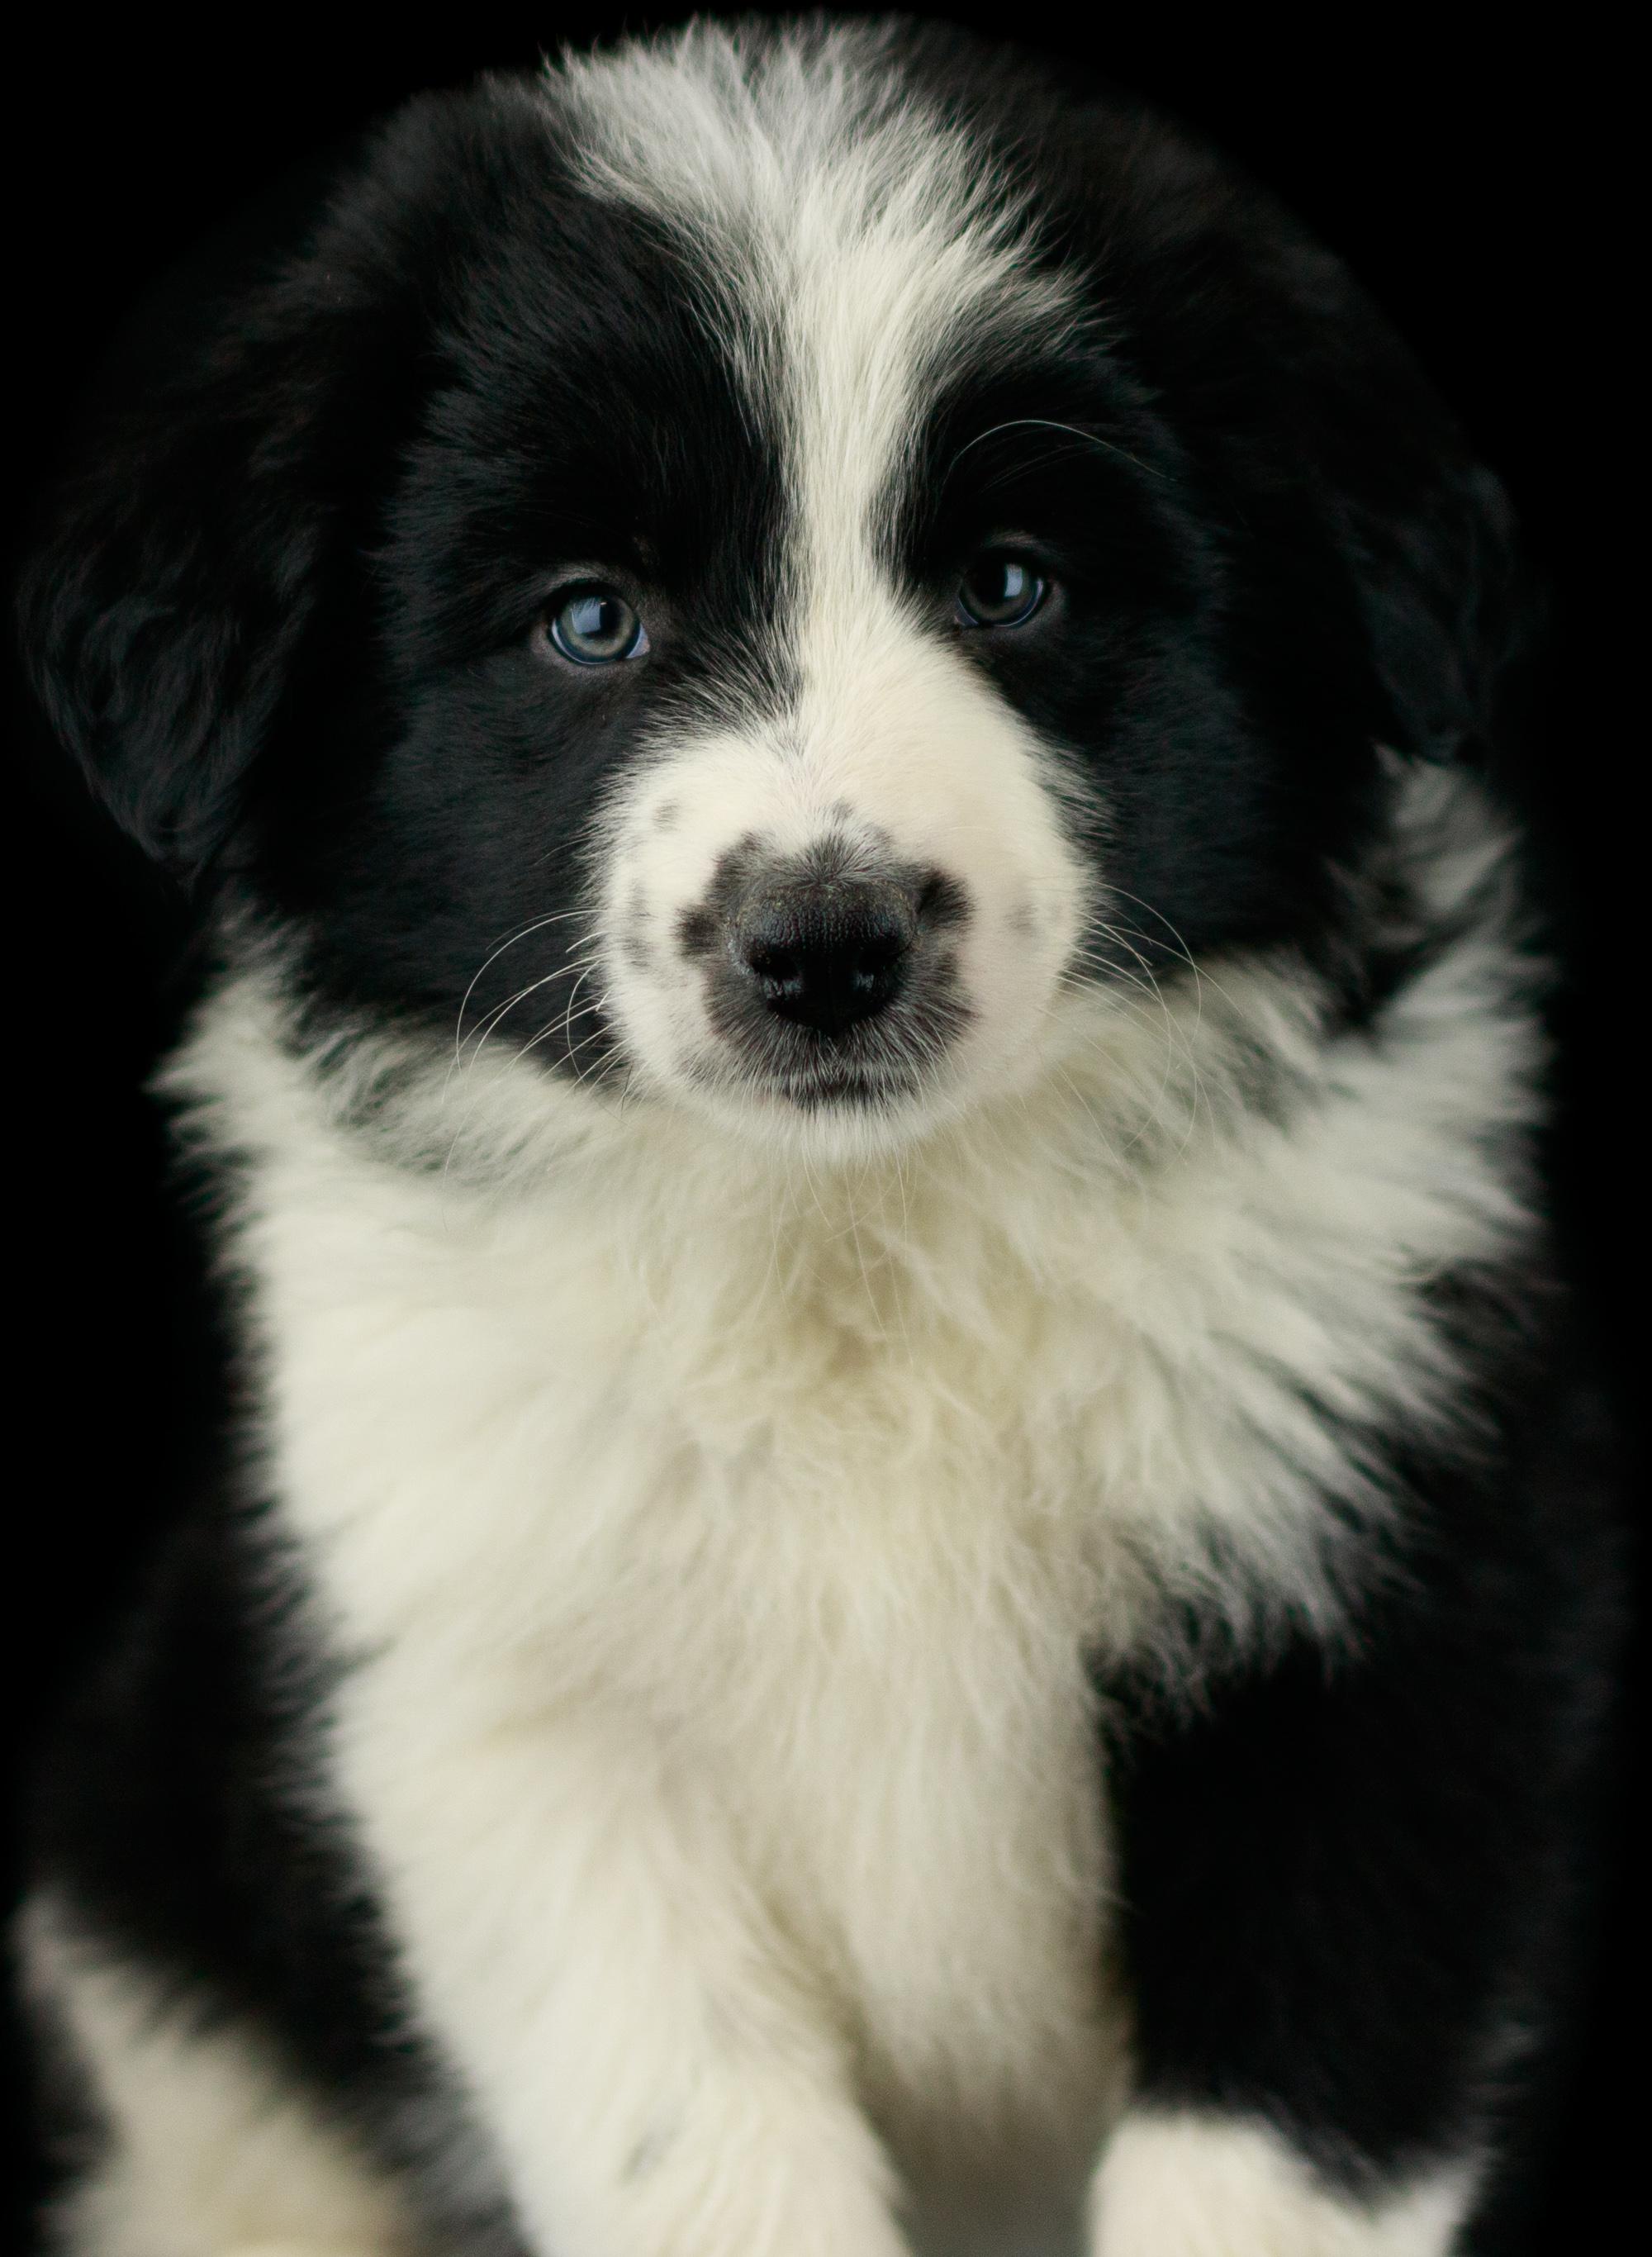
{"x": 969, "y": 1631}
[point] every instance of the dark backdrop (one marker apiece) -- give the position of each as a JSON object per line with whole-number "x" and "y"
{"x": 1463, "y": 182}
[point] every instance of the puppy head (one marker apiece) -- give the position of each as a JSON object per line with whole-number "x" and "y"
{"x": 765, "y": 572}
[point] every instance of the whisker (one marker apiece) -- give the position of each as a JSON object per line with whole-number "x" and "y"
{"x": 478, "y": 1034}
{"x": 534, "y": 924}
{"x": 1048, "y": 423}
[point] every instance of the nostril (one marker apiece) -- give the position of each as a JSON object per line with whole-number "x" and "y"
{"x": 775, "y": 965}
{"x": 875, "y": 960}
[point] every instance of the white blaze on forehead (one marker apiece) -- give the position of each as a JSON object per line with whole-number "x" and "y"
{"x": 861, "y": 248}
{"x": 855, "y": 252}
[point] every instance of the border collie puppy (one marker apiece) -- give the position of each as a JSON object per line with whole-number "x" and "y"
{"x": 912, "y": 1562}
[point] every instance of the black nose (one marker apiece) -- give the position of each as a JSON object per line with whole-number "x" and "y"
{"x": 826, "y": 955}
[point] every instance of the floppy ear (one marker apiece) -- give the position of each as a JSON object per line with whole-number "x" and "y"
{"x": 212, "y": 526}
{"x": 1450, "y": 606}
{"x": 163, "y": 616}
{"x": 1341, "y": 438}
{"x": 1453, "y": 611}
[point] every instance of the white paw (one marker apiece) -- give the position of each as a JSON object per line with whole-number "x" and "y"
{"x": 1186, "y": 2185}
{"x": 309, "y": 2249}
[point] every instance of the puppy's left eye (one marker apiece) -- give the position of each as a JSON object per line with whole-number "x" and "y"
{"x": 999, "y": 589}
{"x": 594, "y": 625}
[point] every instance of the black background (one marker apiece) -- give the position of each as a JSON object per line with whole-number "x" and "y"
{"x": 1468, "y": 185}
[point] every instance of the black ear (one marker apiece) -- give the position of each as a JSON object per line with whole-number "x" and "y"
{"x": 161, "y": 617}
{"x": 215, "y": 517}
{"x": 1453, "y": 611}
{"x": 1334, "y": 449}
{"x": 1449, "y": 603}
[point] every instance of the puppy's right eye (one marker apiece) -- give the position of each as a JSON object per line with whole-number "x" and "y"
{"x": 592, "y": 626}
{"x": 999, "y": 589}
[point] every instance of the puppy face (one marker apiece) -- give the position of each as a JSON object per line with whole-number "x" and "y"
{"x": 827, "y": 607}
{"x": 763, "y": 576}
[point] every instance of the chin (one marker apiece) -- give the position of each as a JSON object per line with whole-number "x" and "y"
{"x": 915, "y": 1544}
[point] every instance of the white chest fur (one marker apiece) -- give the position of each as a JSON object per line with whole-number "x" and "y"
{"x": 841, "y": 1575}
{"x": 811, "y": 1494}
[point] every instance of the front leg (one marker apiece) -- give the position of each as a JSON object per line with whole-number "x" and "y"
{"x": 1339, "y": 1881}
{"x": 1191, "y": 2183}
{"x": 583, "y": 1944}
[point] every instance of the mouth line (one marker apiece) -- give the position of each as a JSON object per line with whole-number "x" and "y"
{"x": 841, "y": 1088}
{"x": 812, "y": 1089}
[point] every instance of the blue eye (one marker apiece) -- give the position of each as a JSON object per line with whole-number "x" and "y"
{"x": 594, "y": 626}
{"x": 999, "y": 590}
